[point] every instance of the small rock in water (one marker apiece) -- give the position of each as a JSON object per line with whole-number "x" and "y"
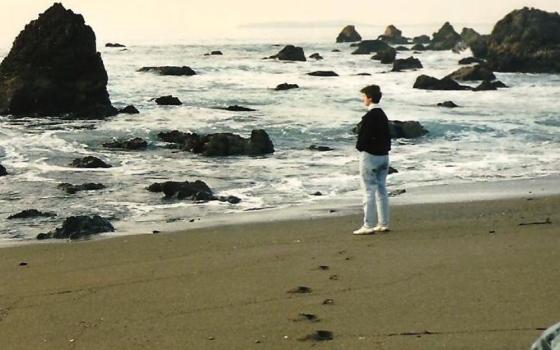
{"x": 448, "y": 104}
{"x": 168, "y": 100}
{"x": 323, "y": 74}
{"x": 320, "y": 148}
{"x": 72, "y": 189}
{"x": 3, "y": 171}
{"x": 131, "y": 145}
{"x": 76, "y": 227}
{"x": 393, "y": 170}
{"x": 31, "y": 213}
{"x": 316, "y": 56}
{"x": 290, "y": 53}
{"x": 286, "y": 86}
{"x": 89, "y": 162}
{"x": 237, "y": 108}
{"x": 129, "y": 110}
{"x": 169, "y": 70}
{"x": 114, "y": 45}
{"x": 317, "y": 194}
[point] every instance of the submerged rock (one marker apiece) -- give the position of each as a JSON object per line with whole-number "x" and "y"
{"x": 76, "y": 227}
{"x": 445, "y": 39}
{"x": 290, "y": 53}
{"x": 478, "y": 72}
{"x": 129, "y": 110}
{"x": 488, "y": 85}
{"x": 323, "y": 74}
{"x": 448, "y": 104}
{"x": 320, "y": 148}
{"x": 348, "y": 35}
{"x": 169, "y": 70}
{"x": 221, "y": 144}
{"x": 30, "y": 214}
{"x": 54, "y": 69}
{"x": 425, "y": 82}
{"x": 407, "y": 63}
{"x": 386, "y": 56}
{"x": 422, "y": 39}
{"x": 133, "y": 144}
{"x": 73, "y": 189}
{"x": 368, "y": 47}
{"x": 196, "y": 191}
{"x": 214, "y": 53}
{"x": 3, "y": 171}
{"x": 168, "y": 100}
{"x": 286, "y": 86}
{"x": 89, "y": 162}
{"x": 526, "y": 40}
{"x": 316, "y": 56}
{"x": 237, "y": 108}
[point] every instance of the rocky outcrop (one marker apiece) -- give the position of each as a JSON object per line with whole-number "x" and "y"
{"x": 323, "y": 73}
{"x": 237, "y": 108}
{"x": 129, "y": 110}
{"x": 290, "y": 53}
{"x": 478, "y": 72}
{"x": 3, "y": 171}
{"x": 31, "y": 214}
{"x": 368, "y": 47}
{"x": 89, "y": 162}
{"x": 168, "y": 100}
{"x": 425, "y": 82}
{"x": 407, "y": 129}
{"x": 448, "y": 104}
{"x": 479, "y": 47}
{"x": 419, "y": 47}
{"x": 195, "y": 191}
{"x": 348, "y": 35}
{"x": 286, "y": 86}
{"x": 386, "y": 56}
{"x": 221, "y": 144}
{"x": 526, "y": 40}
{"x": 406, "y": 64}
{"x": 169, "y": 70}
{"x": 445, "y": 39}
{"x": 54, "y": 69}
{"x": 316, "y": 56}
{"x": 393, "y": 35}
{"x": 470, "y": 36}
{"x": 114, "y": 45}
{"x": 76, "y": 227}
{"x": 73, "y": 189}
{"x": 470, "y": 60}
{"x": 135, "y": 144}
{"x": 421, "y": 39}
{"x": 488, "y": 85}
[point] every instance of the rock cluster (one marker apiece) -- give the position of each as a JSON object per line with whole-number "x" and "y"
{"x": 195, "y": 191}
{"x": 76, "y": 227}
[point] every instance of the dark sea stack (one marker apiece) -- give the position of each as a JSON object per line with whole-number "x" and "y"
{"x": 478, "y": 72}
{"x": 479, "y": 47}
{"x": 316, "y": 56}
{"x": 471, "y": 60}
{"x": 31, "y": 214}
{"x": 448, "y": 104}
{"x": 129, "y": 110}
{"x": 407, "y": 64}
{"x": 286, "y": 86}
{"x": 3, "y": 171}
{"x": 488, "y": 85}
{"x": 393, "y": 35}
{"x": 421, "y": 39}
{"x": 348, "y": 35}
{"x": 135, "y": 144}
{"x": 367, "y": 47}
{"x": 169, "y": 70}
{"x": 237, "y": 108}
{"x": 54, "y": 69}
{"x": 445, "y": 39}
{"x": 290, "y": 53}
{"x": 114, "y": 45}
{"x": 425, "y": 82}
{"x": 527, "y": 41}
{"x": 73, "y": 189}
{"x": 89, "y": 162}
{"x": 168, "y": 101}
{"x": 406, "y": 129}
{"x": 386, "y": 56}
{"x": 76, "y": 227}
{"x": 323, "y": 73}
{"x": 419, "y": 47}
{"x": 470, "y": 36}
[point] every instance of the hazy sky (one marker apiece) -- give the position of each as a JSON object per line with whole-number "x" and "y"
{"x": 165, "y": 20}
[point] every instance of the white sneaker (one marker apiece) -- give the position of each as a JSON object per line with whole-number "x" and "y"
{"x": 364, "y": 230}
{"x": 380, "y": 228}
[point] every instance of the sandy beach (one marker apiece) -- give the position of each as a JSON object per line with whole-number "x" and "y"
{"x": 449, "y": 276}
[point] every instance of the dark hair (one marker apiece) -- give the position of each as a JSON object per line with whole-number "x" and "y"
{"x": 373, "y": 92}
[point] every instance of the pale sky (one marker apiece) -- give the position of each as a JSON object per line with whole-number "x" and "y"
{"x": 167, "y": 20}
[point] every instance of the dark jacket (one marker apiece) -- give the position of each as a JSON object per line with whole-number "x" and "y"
{"x": 373, "y": 133}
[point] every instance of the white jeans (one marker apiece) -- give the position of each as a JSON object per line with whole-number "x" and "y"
{"x": 373, "y": 178}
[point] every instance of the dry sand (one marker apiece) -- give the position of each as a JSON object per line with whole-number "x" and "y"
{"x": 450, "y": 276}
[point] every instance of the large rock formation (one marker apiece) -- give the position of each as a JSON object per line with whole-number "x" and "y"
{"x": 445, "y": 39}
{"x": 367, "y": 47}
{"x": 425, "y": 82}
{"x": 54, "y": 69}
{"x": 221, "y": 144}
{"x": 348, "y": 35}
{"x": 470, "y": 36}
{"x": 290, "y": 53}
{"x": 393, "y": 35}
{"x": 76, "y": 227}
{"x": 526, "y": 40}
{"x": 478, "y": 72}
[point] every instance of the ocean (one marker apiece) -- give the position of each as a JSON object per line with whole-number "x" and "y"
{"x": 511, "y": 133}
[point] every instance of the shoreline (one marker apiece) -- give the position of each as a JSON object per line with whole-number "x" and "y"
{"x": 449, "y": 276}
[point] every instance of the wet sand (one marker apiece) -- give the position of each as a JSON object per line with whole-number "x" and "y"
{"x": 449, "y": 276}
